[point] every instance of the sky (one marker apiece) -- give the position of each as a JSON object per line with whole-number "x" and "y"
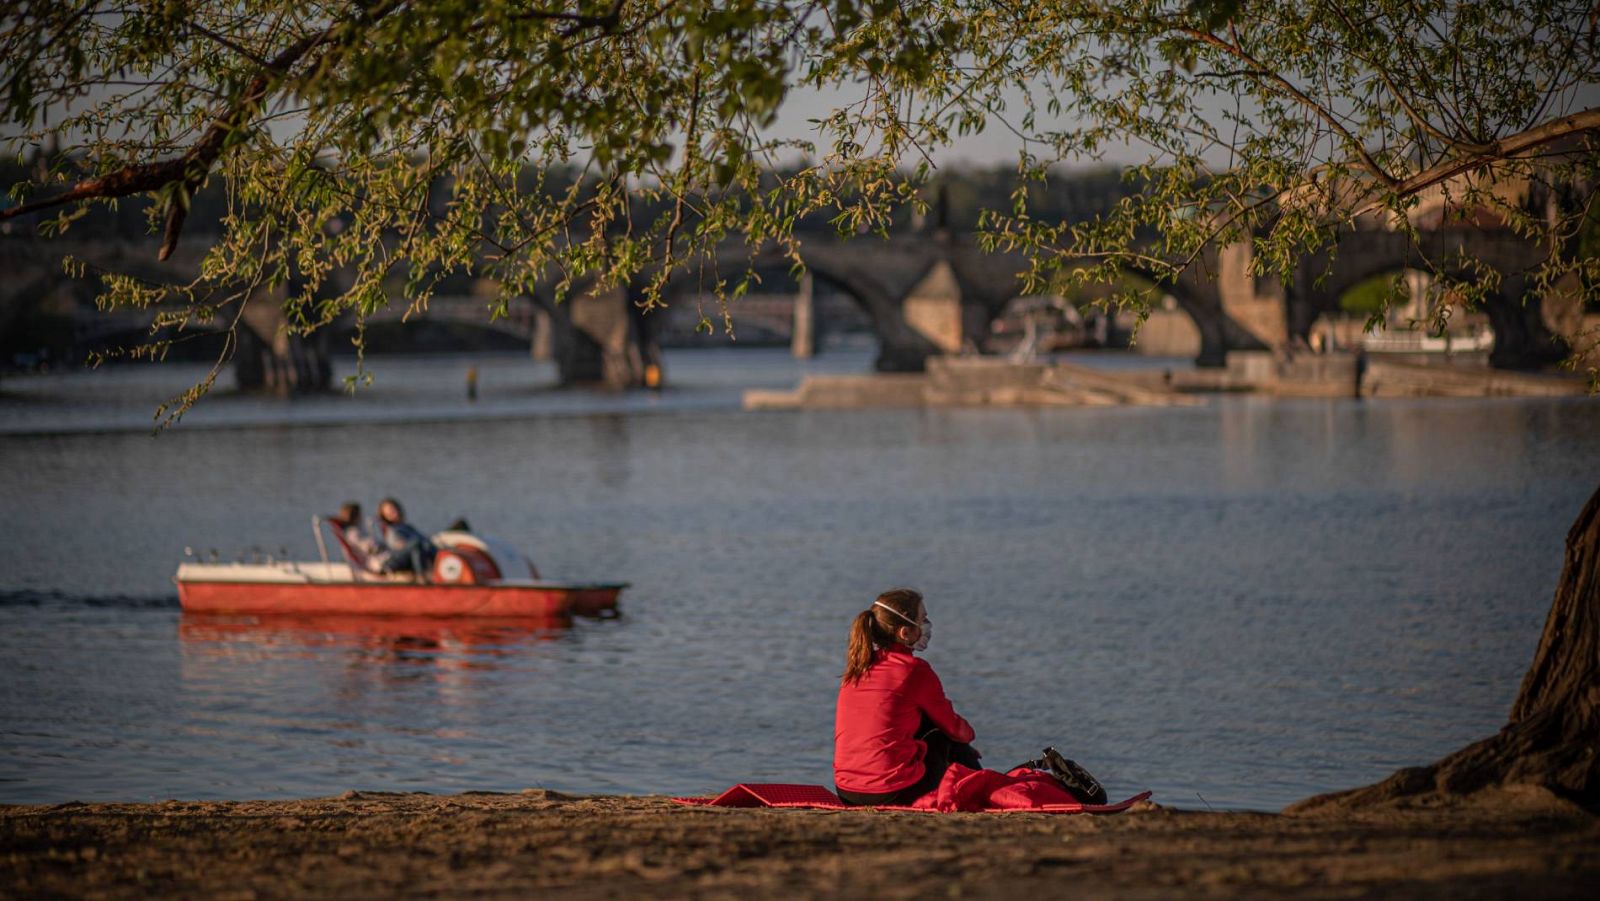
{"x": 994, "y": 146}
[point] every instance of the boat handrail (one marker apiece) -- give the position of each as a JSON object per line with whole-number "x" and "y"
{"x": 317, "y": 522}
{"x": 322, "y": 546}
{"x": 316, "y": 531}
{"x": 322, "y": 549}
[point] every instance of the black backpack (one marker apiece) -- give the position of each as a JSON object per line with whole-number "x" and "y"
{"x": 1074, "y": 778}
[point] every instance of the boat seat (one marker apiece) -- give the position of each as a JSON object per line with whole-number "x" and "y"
{"x": 358, "y": 560}
{"x": 351, "y": 555}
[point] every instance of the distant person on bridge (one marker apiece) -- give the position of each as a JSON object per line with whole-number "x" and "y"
{"x": 404, "y": 548}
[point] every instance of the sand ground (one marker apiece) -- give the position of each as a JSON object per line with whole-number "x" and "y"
{"x": 360, "y": 845}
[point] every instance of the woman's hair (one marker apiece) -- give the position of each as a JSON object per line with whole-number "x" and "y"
{"x": 400, "y": 512}
{"x": 349, "y": 513}
{"x": 877, "y": 627}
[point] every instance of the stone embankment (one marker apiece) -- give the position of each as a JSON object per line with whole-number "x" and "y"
{"x": 972, "y": 382}
{"x": 993, "y": 382}
{"x": 1334, "y": 375}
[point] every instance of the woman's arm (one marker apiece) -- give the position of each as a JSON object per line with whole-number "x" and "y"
{"x": 928, "y": 692}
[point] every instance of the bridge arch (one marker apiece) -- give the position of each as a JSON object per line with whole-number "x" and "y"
{"x": 1522, "y": 338}
{"x": 900, "y": 347}
{"x": 775, "y": 273}
{"x": 1197, "y": 291}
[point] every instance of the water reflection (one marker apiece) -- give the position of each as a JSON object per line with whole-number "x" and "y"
{"x": 403, "y": 641}
{"x": 1252, "y": 601}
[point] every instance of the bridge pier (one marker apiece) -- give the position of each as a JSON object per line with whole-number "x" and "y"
{"x": 1213, "y": 348}
{"x": 803, "y": 338}
{"x": 933, "y": 307}
{"x": 268, "y": 357}
{"x": 1219, "y": 333}
{"x": 898, "y": 357}
{"x": 603, "y": 337}
{"x": 1522, "y": 340}
{"x": 289, "y": 364}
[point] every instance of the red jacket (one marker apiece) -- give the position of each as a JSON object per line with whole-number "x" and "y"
{"x": 875, "y": 746}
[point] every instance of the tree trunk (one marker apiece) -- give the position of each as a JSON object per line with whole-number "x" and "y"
{"x": 1553, "y": 737}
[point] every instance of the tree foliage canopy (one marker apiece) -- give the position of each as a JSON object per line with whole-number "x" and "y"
{"x": 401, "y": 140}
{"x": 1283, "y": 123}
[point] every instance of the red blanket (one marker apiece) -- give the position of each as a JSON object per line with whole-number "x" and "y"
{"x": 962, "y": 789}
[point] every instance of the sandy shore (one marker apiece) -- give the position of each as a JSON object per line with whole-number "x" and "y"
{"x": 1510, "y": 844}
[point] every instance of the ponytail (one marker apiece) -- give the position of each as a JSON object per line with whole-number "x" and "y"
{"x": 875, "y": 627}
{"x": 859, "y": 654}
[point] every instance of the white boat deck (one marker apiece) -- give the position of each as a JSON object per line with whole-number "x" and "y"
{"x": 288, "y": 572}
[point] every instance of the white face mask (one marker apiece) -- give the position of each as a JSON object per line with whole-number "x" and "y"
{"x": 926, "y": 626}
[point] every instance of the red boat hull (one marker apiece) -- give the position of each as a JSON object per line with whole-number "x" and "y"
{"x": 398, "y": 598}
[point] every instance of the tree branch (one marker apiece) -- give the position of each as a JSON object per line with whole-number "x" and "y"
{"x": 1509, "y": 147}
{"x": 1370, "y": 164}
{"x": 607, "y": 21}
{"x": 1417, "y": 119}
{"x": 189, "y": 171}
{"x": 228, "y": 43}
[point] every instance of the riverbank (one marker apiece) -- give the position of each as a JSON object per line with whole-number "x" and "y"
{"x": 996, "y": 382}
{"x": 976, "y": 382}
{"x": 1511, "y": 843}
{"x": 405, "y": 389}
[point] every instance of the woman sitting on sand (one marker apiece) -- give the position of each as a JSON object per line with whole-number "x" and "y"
{"x": 895, "y": 732}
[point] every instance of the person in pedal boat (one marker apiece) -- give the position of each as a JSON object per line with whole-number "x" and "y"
{"x": 355, "y": 535}
{"x": 895, "y": 732}
{"x": 404, "y": 548}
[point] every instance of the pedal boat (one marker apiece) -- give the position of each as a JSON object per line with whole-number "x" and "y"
{"x": 468, "y": 578}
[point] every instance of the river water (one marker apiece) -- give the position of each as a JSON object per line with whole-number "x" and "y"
{"x": 1246, "y": 602}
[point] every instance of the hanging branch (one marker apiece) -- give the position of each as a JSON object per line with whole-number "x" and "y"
{"x": 188, "y": 172}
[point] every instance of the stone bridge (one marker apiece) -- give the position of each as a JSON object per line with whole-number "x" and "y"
{"x": 266, "y": 355}
{"x": 924, "y": 294}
